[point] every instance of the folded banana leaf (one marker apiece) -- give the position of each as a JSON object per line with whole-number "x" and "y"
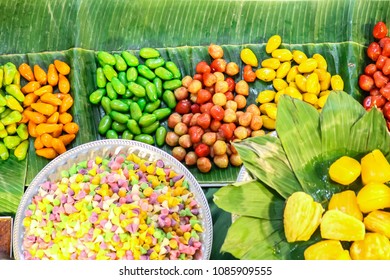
{"x": 40, "y": 31}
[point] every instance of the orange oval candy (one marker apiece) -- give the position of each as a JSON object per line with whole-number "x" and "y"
{"x": 40, "y": 75}
{"x": 62, "y": 67}
{"x": 48, "y": 153}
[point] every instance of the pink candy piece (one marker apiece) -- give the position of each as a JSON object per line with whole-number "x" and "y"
{"x": 112, "y": 256}
{"x": 116, "y": 238}
{"x": 114, "y": 228}
{"x": 90, "y": 163}
{"x": 28, "y": 213}
{"x": 81, "y": 195}
{"x": 185, "y": 228}
{"x": 144, "y": 206}
{"x": 132, "y": 227}
{"x": 103, "y": 245}
{"x": 83, "y": 255}
{"x": 114, "y": 187}
{"x": 111, "y": 178}
{"x": 115, "y": 166}
{"x": 69, "y": 209}
{"x": 126, "y": 172}
{"x": 167, "y": 222}
{"x": 123, "y": 183}
{"x": 46, "y": 185}
{"x": 153, "y": 198}
{"x": 53, "y": 187}
{"x": 103, "y": 222}
{"x": 120, "y": 159}
{"x": 174, "y": 254}
{"x": 63, "y": 198}
{"x": 93, "y": 219}
{"x": 122, "y": 200}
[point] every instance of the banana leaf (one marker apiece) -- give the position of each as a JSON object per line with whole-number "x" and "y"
{"x": 40, "y": 31}
{"x": 353, "y": 132}
{"x": 275, "y": 170}
{"x": 258, "y": 239}
{"x": 254, "y": 200}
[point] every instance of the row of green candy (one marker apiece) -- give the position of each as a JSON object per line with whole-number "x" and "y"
{"x": 136, "y": 97}
{"x": 13, "y": 135}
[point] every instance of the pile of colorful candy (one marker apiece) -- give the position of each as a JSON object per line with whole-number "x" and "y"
{"x": 123, "y": 207}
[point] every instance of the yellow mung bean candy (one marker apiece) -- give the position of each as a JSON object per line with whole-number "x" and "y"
{"x": 273, "y": 43}
{"x": 272, "y": 63}
{"x": 283, "y": 70}
{"x": 265, "y": 74}
{"x": 299, "y": 56}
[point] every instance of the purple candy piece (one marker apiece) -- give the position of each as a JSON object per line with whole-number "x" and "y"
{"x": 83, "y": 171}
{"x": 129, "y": 198}
{"x": 114, "y": 187}
{"x": 177, "y": 178}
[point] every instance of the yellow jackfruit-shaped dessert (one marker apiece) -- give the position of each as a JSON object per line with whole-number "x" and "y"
{"x": 337, "y": 225}
{"x": 378, "y": 221}
{"x": 373, "y": 196}
{"x": 326, "y": 250}
{"x": 345, "y": 170}
{"x": 346, "y": 202}
{"x": 375, "y": 246}
{"x": 375, "y": 168}
{"x": 301, "y": 217}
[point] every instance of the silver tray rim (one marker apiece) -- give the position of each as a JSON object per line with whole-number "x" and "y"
{"x": 111, "y": 147}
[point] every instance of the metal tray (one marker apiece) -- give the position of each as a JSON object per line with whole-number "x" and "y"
{"x": 108, "y": 148}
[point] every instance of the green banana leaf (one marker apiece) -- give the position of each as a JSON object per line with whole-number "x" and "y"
{"x": 253, "y": 200}
{"x": 258, "y": 239}
{"x": 39, "y": 31}
{"x": 298, "y": 128}
{"x": 275, "y": 170}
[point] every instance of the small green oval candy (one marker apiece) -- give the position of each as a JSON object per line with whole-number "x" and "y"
{"x": 149, "y": 53}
